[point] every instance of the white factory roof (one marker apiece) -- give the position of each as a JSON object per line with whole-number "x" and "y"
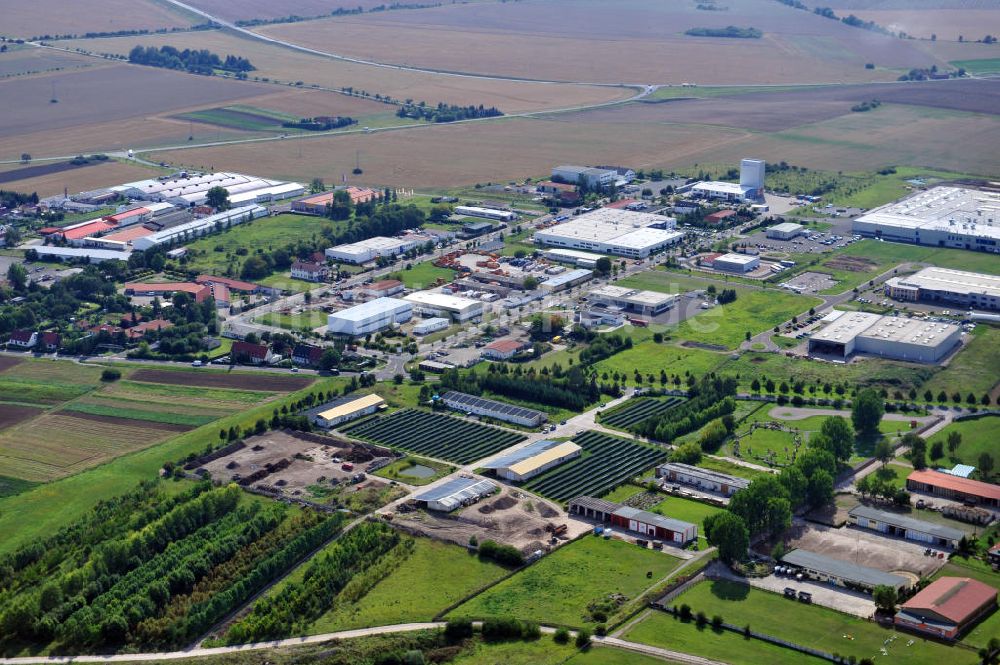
{"x": 716, "y": 186}
{"x": 371, "y": 308}
{"x": 605, "y": 224}
{"x": 733, "y": 257}
{"x": 377, "y": 243}
{"x": 647, "y": 237}
{"x": 567, "y": 277}
{"x": 83, "y": 253}
{"x": 621, "y": 293}
{"x": 611, "y": 291}
{"x": 786, "y": 227}
{"x": 846, "y": 327}
{"x": 957, "y": 209}
{"x": 909, "y": 331}
{"x": 953, "y": 281}
{"x": 573, "y": 254}
{"x": 442, "y": 300}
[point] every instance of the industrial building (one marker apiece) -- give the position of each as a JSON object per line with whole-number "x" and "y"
{"x": 486, "y": 213}
{"x": 612, "y": 231}
{"x": 651, "y": 525}
{"x": 955, "y": 488}
{"x": 592, "y": 178}
{"x": 964, "y": 289}
{"x": 317, "y": 204}
{"x": 847, "y": 333}
{"x": 383, "y": 288}
{"x": 190, "y": 190}
{"x": 491, "y": 408}
{"x": 200, "y": 227}
{"x": 91, "y": 254}
{"x": 956, "y": 217}
{"x": 431, "y": 325}
{"x": 503, "y": 349}
{"x": 703, "y": 479}
{"x": 369, "y": 317}
{"x": 432, "y": 303}
{"x": 894, "y": 524}
{"x": 841, "y": 573}
{"x": 750, "y": 187}
{"x": 364, "y": 251}
{"x": 534, "y": 459}
{"x": 572, "y": 257}
{"x": 635, "y": 301}
{"x": 785, "y": 231}
{"x": 344, "y": 409}
{"x": 947, "y": 607}
{"x": 737, "y": 263}
{"x": 567, "y": 280}
{"x": 456, "y": 493}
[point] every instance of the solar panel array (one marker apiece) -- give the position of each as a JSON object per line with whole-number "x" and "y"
{"x": 500, "y": 408}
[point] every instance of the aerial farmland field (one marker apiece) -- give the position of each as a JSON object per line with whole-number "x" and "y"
{"x": 22, "y": 18}
{"x": 46, "y": 180}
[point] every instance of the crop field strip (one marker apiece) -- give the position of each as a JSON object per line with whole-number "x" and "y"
{"x": 611, "y": 461}
{"x": 435, "y": 435}
{"x": 637, "y": 411}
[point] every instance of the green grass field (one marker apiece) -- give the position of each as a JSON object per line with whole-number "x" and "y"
{"x": 753, "y": 311}
{"x": 215, "y": 253}
{"x": 422, "y": 275}
{"x": 975, "y": 369}
{"x": 398, "y": 470}
{"x": 140, "y": 414}
{"x": 545, "y": 651}
{"x": 981, "y": 66}
{"x": 724, "y": 466}
{"x": 623, "y": 492}
{"x": 650, "y": 358}
{"x": 10, "y": 486}
{"x": 688, "y": 511}
{"x": 979, "y": 435}
{"x": 247, "y": 119}
{"x": 559, "y": 588}
{"x": 415, "y": 590}
{"x": 809, "y": 625}
{"x": 671, "y": 281}
{"x": 301, "y": 321}
{"x": 39, "y": 392}
{"x": 662, "y": 630}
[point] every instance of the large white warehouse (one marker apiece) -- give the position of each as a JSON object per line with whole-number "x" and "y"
{"x": 957, "y": 287}
{"x": 612, "y": 231}
{"x": 956, "y": 217}
{"x": 369, "y": 317}
{"x": 433, "y": 303}
{"x": 364, "y": 251}
{"x": 886, "y": 336}
{"x": 200, "y": 227}
{"x": 187, "y": 190}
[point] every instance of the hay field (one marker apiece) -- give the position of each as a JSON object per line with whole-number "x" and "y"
{"x": 29, "y": 18}
{"x": 446, "y": 156}
{"x": 288, "y": 66}
{"x": 639, "y": 40}
{"x": 945, "y": 23}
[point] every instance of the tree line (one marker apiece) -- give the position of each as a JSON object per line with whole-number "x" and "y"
{"x": 571, "y": 391}
{"x": 201, "y": 61}
{"x": 710, "y": 398}
{"x": 446, "y": 112}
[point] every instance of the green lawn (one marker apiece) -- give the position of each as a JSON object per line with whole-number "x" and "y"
{"x": 975, "y": 369}
{"x": 650, "y": 357}
{"x": 301, "y": 321}
{"x": 559, "y": 588}
{"x": 753, "y": 311}
{"x": 215, "y": 253}
{"x": 431, "y": 578}
{"x": 662, "y": 630}
{"x": 981, "y": 66}
{"x": 422, "y": 275}
{"x": 623, "y": 492}
{"x": 670, "y": 281}
{"x": 686, "y": 510}
{"x": 979, "y": 435}
{"x": 398, "y": 470}
{"x": 724, "y": 466}
{"x": 811, "y": 625}
{"x": 140, "y": 414}
{"x": 10, "y": 486}
{"x": 42, "y": 510}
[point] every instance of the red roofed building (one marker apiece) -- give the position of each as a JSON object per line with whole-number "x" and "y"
{"x": 232, "y": 284}
{"x": 252, "y": 354}
{"x": 317, "y": 203}
{"x": 50, "y": 341}
{"x": 307, "y": 355}
{"x": 502, "y": 349}
{"x": 22, "y": 339}
{"x": 309, "y": 271}
{"x": 383, "y": 288}
{"x": 120, "y": 217}
{"x": 720, "y": 216}
{"x": 954, "y": 487}
{"x": 140, "y": 330}
{"x": 947, "y": 606}
{"x": 200, "y": 291}
{"x": 75, "y": 235}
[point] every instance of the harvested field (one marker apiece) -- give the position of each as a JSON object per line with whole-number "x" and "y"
{"x": 53, "y": 372}
{"x": 31, "y": 18}
{"x": 282, "y": 65}
{"x": 520, "y": 39}
{"x": 12, "y": 414}
{"x": 141, "y": 394}
{"x": 31, "y": 60}
{"x": 236, "y": 10}
{"x": 6, "y": 362}
{"x": 212, "y": 379}
{"x": 56, "y": 444}
{"x": 77, "y": 179}
{"x": 922, "y": 23}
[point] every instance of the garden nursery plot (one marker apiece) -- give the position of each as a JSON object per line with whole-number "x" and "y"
{"x": 435, "y": 435}
{"x": 637, "y": 411}
{"x": 608, "y": 461}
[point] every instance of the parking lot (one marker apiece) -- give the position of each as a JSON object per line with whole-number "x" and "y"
{"x": 810, "y": 282}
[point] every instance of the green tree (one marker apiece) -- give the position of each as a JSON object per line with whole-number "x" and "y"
{"x": 840, "y": 437}
{"x": 954, "y": 441}
{"x": 317, "y": 185}
{"x": 985, "y": 465}
{"x": 883, "y": 451}
{"x": 603, "y": 265}
{"x": 867, "y": 412}
{"x": 329, "y": 359}
{"x": 530, "y": 283}
{"x": 218, "y": 198}
{"x": 17, "y": 275}
{"x": 918, "y": 450}
{"x": 778, "y": 516}
{"x": 885, "y": 598}
{"x": 819, "y": 490}
{"x": 729, "y": 534}
{"x": 687, "y": 453}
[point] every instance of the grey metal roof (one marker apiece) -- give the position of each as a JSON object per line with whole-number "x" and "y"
{"x": 530, "y": 450}
{"x": 707, "y": 474}
{"x": 936, "y": 530}
{"x": 493, "y": 405}
{"x": 844, "y": 570}
{"x": 600, "y": 505}
{"x": 455, "y": 486}
{"x": 668, "y": 523}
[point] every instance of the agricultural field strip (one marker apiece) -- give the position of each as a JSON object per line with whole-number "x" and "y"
{"x": 438, "y": 436}
{"x": 610, "y": 462}
{"x": 638, "y": 411}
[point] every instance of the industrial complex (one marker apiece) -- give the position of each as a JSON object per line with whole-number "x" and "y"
{"x": 369, "y": 317}
{"x": 364, "y": 251}
{"x": 847, "y": 333}
{"x": 612, "y": 231}
{"x": 634, "y": 301}
{"x": 946, "y": 286}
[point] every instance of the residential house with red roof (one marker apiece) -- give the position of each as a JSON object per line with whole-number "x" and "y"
{"x": 947, "y": 606}
{"x": 502, "y": 349}
{"x": 307, "y": 355}
{"x": 50, "y": 341}
{"x": 309, "y": 271}
{"x": 22, "y": 339}
{"x": 251, "y": 354}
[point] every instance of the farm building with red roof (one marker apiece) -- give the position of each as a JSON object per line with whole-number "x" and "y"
{"x": 502, "y": 349}
{"x": 947, "y": 606}
{"x": 719, "y": 216}
{"x": 954, "y": 487}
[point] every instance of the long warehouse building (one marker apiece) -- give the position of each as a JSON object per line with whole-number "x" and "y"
{"x": 200, "y": 227}
{"x": 491, "y": 408}
{"x": 943, "y": 285}
{"x": 894, "y": 524}
{"x": 898, "y": 338}
{"x": 534, "y": 459}
{"x": 369, "y": 317}
{"x": 188, "y": 190}
{"x": 611, "y": 231}
{"x": 433, "y": 303}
